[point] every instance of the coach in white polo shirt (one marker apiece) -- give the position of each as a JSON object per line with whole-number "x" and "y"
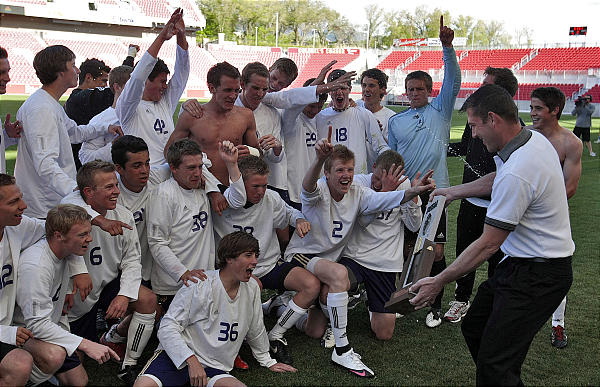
{"x": 528, "y": 218}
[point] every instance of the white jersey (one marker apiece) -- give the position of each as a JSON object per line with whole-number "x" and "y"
{"x": 377, "y": 241}
{"x": 152, "y": 121}
{"x": 383, "y": 116}
{"x": 45, "y": 168}
{"x": 14, "y": 240}
{"x": 204, "y": 321}
{"x": 331, "y": 222}
{"x": 106, "y": 257}
{"x": 285, "y": 99}
{"x": 100, "y": 147}
{"x": 358, "y": 130}
{"x": 41, "y": 296}
{"x": 5, "y": 142}
{"x": 261, "y": 220}
{"x": 180, "y": 234}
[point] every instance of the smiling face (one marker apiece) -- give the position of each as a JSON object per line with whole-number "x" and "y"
{"x": 254, "y": 91}
{"x": 339, "y": 178}
{"x": 135, "y": 174}
{"x": 242, "y": 266}
{"x": 103, "y": 196}
{"x": 189, "y": 173}
{"x": 77, "y": 240}
{"x": 11, "y": 205}
{"x": 417, "y": 93}
{"x": 541, "y": 116}
{"x": 226, "y": 93}
{"x": 153, "y": 90}
{"x": 484, "y": 131}
{"x": 278, "y": 80}
{"x": 4, "y": 77}
{"x": 256, "y": 186}
{"x": 99, "y": 81}
{"x": 371, "y": 92}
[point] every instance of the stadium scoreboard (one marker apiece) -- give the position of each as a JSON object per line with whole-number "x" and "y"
{"x": 577, "y": 30}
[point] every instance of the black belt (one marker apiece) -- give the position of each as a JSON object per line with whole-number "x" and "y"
{"x": 543, "y": 260}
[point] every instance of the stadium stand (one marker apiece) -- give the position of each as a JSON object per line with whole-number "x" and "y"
{"x": 428, "y": 60}
{"x": 395, "y": 59}
{"x": 594, "y": 92}
{"x": 34, "y": 2}
{"x": 154, "y": 8}
{"x": 524, "y": 92}
{"x": 480, "y": 59}
{"x": 240, "y": 56}
{"x": 311, "y": 61}
{"x": 580, "y": 58}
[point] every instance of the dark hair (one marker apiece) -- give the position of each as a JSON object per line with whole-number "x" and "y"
{"x": 378, "y": 75}
{"x": 387, "y": 158}
{"x": 322, "y": 96}
{"x": 62, "y": 217}
{"x": 286, "y": 66}
{"x": 551, "y": 97}
{"x": 420, "y": 75}
{"x": 254, "y": 68}
{"x": 3, "y": 53}
{"x": 221, "y": 69}
{"x": 180, "y": 148}
{"x": 492, "y": 98}
{"x": 252, "y": 165}
{"x": 6, "y": 180}
{"x": 119, "y": 75}
{"x": 50, "y": 61}
{"x": 505, "y": 78}
{"x": 234, "y": 244}
{"x": 159, "y": 68}
{"x": 92, "y": 66}
{"x": 335, "y": 74}
{"x": 124, "y": 144}
{"x": 340, "y": 152}
{"x": 88, "y": 171}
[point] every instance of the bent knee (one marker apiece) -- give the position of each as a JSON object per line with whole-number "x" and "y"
{"x": 52, "y": 359}
{"x": 146, "y": 302}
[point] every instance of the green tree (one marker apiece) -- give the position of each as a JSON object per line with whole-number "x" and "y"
{"x": 375, "y": 17}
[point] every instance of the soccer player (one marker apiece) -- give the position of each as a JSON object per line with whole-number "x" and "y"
{"x": 352, "y": 126}
{"x": 262, "y": 216}
{"x": 421, "y": 134}
{"x": 197, "y": 345}
{"x": 179, "y": 222}
{"x": 147, "y": 104}
{"x": 114, "y": 264}
{"x": 374, "y": 254}
{"x": 282, "y": 73}
{"x": 43, "y": 282}
{"x": 547, "y": 104}
{"x": 45, "y": 168}
{"x": 11, "y": 131}
{"x": 332, "y": 205}
{"x": 374, "y": 87}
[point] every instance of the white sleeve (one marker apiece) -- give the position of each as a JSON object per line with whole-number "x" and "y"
{"x": 34, "y": 298}
{"x": 288, "y": 121}
{"x": 95, "y": 150}
{"x": 236, "y": 193}
{"x": 373, "y": 202}
{"x": 131, "y": 262}
{"x": 286, "y": 99}
{"x": 211, "y": 182}
{"x": 134, "y": 88}
{"x": 75, "y": 198}
{"x": 311, "y": 198}
{"x": 187, "y": 302}
{"x": 160, "y": 173}
{"x": 76, "y": 265}
{"x": 32, "y": 230}
{"x": 270, "y": 154}
{"x": 179, "y": 79}
{"x": 8, "y": 334}
{"x": 257, "y": 335}
{"x": 159, "y": 219}
{"x": 284, "y": 215}
{"x": 9, "y": 141}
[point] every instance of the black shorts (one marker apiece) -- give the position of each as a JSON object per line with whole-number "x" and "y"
{"x": 85, "y": 326}
{"x": 283, "y": 193}
{"x": 295, "y": 205}
{"x": 301, "y": 260}
{"x": 69, "y": 363}
{"x": 164, "y": 300}
{"x": 275, "y": 278}
{"x": 379, "y": 284}
{"x": 441, "y": 234}
{"x": 5, "y": 349}
{"x": 583, "y": 133}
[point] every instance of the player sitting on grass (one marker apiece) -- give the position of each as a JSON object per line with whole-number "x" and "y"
{"x": 332, "y": 205}
{"x": 114, "y": 264}
{"x": 264, "y": 213}
{"x": 374, "y": 253}
{"x": 207, "y": 322}
{"x": 44, "y": 280}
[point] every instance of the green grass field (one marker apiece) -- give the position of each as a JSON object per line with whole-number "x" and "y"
{"x": 417, "y": 355}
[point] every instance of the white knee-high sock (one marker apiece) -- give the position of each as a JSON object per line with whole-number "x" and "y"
{"x": 287, "y": 320}
{"x": 337, "y": 304}
{"x": 301, "y": 323}
{"x": 558, "y": 318}
{"x": 138, "y": 334}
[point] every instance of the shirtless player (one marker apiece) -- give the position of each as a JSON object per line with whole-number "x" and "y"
{"x": 221, "y": 120}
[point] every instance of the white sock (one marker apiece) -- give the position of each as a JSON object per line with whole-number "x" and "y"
{"x": 325, "y": 310}
{"x": 301, "y": 323}
{"x": 138, "y": 334}
{"x": 337, "y": 304}
{"x": 558, "y": 318}
{"x": 113, "y": 336}
{"x": 287, "y": 320}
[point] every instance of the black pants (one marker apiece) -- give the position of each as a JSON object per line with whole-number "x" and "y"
{"x": 507, "y": 312}
{"x": 469, "y": 227}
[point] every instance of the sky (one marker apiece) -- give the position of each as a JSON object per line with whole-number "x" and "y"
{"x": 549, "y": 20}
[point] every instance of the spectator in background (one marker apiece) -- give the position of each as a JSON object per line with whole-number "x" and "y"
{"x": 583, "y": 111}
{"x": 13, "y": 130}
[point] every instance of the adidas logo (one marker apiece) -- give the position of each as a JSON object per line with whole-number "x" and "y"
{"x": 440, "y": 235}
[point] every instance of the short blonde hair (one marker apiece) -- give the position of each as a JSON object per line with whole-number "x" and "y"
{"x": 62, "y": 217}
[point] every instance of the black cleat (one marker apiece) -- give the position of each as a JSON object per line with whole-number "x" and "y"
{"x": 279, "y": 351}
{"x": 129, "y": 374}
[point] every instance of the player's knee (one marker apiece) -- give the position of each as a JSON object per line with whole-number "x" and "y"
{"x": 384, "y": 333}
{"x": 311, "y": 285}
{"x": 339, "y": 275}
{"x": 20, "y": 366}
{"x": 146, "y": 302}
{"x": 145, "y": 381}
{"x": 52, "y": 359}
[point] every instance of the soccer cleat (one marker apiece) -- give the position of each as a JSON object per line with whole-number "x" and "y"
{"x": 351, "y": 361}
{"x": 101, "y": 325}
{"x": 398, "y": 315}
{"x": 278, "y": 349}
{"x": 457, "y": 311}
{"x": 328, "y": 340}
{"x": 597, "y": 141}
{"x": 119, "y": 348}
{"x": 129, "y": 374}
{"x": 434, "y": 318}
{"x": 271, "y": 304}
{"x": 240, "y": 364}
{"x": 356, "y": 299}
{"x": 592, "y": 154}
{"x": 559, "y": 336}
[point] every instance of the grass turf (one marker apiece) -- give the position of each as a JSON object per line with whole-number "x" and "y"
{"x": 417, "y": 355}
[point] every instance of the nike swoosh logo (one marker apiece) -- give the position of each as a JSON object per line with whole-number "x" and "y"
{"x": 362, "y": 373}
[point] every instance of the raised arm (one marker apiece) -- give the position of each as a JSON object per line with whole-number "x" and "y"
{"x": 452, "y": 77}
{"x": 323, "y": 149}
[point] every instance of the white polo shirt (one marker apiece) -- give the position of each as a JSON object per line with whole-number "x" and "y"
{"x": 530, "y": 200}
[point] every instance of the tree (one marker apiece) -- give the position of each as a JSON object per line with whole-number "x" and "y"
{"x": 375, "y": 17}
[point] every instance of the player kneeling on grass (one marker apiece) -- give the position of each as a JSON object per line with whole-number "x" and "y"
{"x": 333, "y": 204}
{"x": 207, "y": 321}
{"x": 374, "y": 253}
{"x": 264, "y": 213}
{"x": 44, "y": 280}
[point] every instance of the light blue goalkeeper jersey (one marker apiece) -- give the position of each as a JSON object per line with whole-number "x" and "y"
{"x": 421, "y": 135}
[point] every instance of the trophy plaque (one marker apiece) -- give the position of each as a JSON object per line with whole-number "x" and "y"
{"x": 419, "y": 264}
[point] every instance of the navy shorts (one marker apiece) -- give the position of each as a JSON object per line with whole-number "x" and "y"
{"x": 5, "y": 349}
{"x": 161, "y": 367}
{"x": 379, "y": 284}
{"x": 283, "y": 193}
{"x": 69, "y": 363}
{"x": 274, "y": 279}
{"x": 164, "y": 300}
{"x": 295, "y": 205}
{"x": 85, "y": 326}
{"x": 301, "y": 260}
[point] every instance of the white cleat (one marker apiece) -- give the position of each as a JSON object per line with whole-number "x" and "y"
{"x": 351, "y": 361}
{"x": 328, "y": 340}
